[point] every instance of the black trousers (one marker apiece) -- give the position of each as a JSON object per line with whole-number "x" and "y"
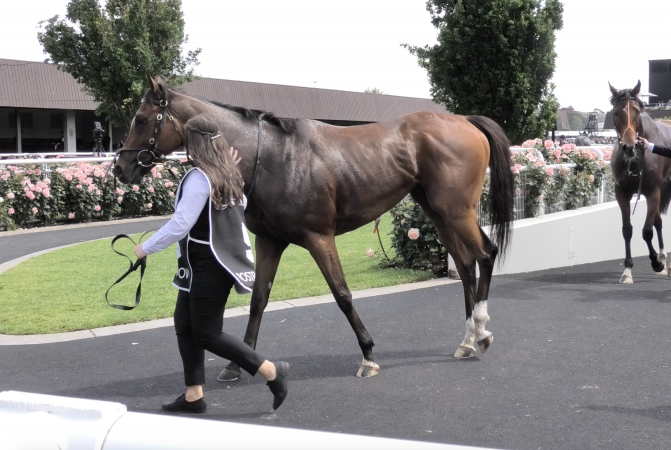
{"x": 199, "y": 318}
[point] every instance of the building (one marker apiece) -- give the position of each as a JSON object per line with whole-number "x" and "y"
{"x": 43, "y": 109}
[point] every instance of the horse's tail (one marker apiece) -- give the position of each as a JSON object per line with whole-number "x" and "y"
{"x": 665, "y": 197}
{"x": 502, "y": 182}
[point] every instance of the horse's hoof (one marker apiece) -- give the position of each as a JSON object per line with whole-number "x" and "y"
{"x": 230, "y": 373}
{"x": 368, "y": 369}
{"x": 657, "y": 266}
{"x": 626, "y": 279}
{"x": 663, "y": 272}
{"x": 484, "y": 344}
{"x": 464, "y": 352}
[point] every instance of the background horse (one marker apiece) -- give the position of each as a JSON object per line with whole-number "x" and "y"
{"x": 307, "y": 182}
{"x": 635, "y": 168}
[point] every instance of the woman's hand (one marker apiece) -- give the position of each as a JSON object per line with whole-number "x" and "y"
{"x": 139, "y": 252}
{"x": 234, "y": 155}
{"x": 644, "y": 141}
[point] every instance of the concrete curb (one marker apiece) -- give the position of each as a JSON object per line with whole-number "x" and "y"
{"x": 80, "y": 225}
{"x": 232, "y": 312}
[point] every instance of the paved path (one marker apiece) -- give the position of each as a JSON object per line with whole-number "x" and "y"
{"x": 16, "y": 244}
{"x": 578, "y": 362}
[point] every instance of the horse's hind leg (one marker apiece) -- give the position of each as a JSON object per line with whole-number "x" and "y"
{"x": 623, "y": 200}
{"x": 323, "y": 250}
{"x": 657, "y": 261}
{"x": 268, "y": 255}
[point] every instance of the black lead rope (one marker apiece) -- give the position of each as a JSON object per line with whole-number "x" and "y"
{"x": 140, "y": 263}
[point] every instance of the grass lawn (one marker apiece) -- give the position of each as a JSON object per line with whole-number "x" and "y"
{"x": 64, "y": 290}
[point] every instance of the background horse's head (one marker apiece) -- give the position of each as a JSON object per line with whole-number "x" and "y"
{"x": 151, "y": 136}
{"x": 627, "y": 108}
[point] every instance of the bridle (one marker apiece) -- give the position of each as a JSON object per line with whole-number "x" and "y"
{"x": 161, "y": 118}
{"x": 635, "y": 162}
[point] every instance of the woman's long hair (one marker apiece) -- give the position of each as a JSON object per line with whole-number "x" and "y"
{"x": 208, "y": 150}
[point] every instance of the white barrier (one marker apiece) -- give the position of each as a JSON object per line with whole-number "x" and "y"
{"x": 567, "y": 238}
{"x": 45, "y": 422}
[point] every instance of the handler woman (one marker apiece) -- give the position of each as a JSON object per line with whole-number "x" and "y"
{"x": 213, "y": 256}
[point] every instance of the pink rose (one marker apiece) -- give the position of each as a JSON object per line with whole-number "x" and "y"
{"x": 71, "y": 216}
{"x": 79, "y": 186}
{"x": 68, "y": 177}
{"x": 38, "y": 172}
{"x": 119, "y": 199}
{"x": 92, "y": 187}
{"x": 47, "y": 181}
{"x": 5, "y": 177}
{"x": 10, "y": 195}
{"x": 10, "y": 211}
{"x": 149, "y": 205}
{"x": 35, "y": 210}
{"x": 413, "y": 234}
{"x": 549, "y": 144}
{"x": 591, "y": 178}
{"x": 136, "y": 188}
{"x": 151, "y": 189}
{"x": 370, "y": 253}
{"x": 549, "y": 171}
{"x": 539, "y": 163}
{"x": 31, "y": 196}
{"x": 516, "y": 168}
{"x": 172, "y": 194}
{"x": 46, "y": 192}
{"x": 97, "y": 208}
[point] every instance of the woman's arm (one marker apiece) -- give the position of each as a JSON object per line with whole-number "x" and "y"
{"x": 195, "y": 194}
{"x": 656, "y": 149}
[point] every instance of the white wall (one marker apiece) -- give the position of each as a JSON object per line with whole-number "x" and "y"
{"x": 543, "y": 243}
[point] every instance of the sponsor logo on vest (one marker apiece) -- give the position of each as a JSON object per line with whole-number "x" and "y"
{"x": 183, "y": 273}
{"x": 246, "y": 276}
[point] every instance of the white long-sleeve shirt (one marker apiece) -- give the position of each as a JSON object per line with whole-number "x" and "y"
{"x": 195, "y": 193}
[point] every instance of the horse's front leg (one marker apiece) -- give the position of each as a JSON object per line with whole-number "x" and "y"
{"x": 657, "y": 261}
{"x": 268, "y": 255}
{"x": 623, "y": 200}
{"x": 666, "y": 259}
{"x": 323, "y": 250}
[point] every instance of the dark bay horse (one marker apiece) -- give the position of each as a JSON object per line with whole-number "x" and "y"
{"x": 648, "y": 174}
{"x": 307, "y": 182}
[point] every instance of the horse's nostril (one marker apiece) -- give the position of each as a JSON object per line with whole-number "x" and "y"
{"x": 117, "y": 171}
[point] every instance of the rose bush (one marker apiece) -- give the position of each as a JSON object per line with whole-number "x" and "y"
{"x": 80, "y": 192}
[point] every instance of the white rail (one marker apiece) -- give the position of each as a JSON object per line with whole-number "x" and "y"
{"x": 36, "y": 421}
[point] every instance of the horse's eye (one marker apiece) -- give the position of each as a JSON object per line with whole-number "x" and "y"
{"x": 140, "y": 120}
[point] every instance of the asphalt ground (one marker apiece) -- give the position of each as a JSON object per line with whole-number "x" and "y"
{"x": 14, "y": 245}
{"x": 578, "y": 362}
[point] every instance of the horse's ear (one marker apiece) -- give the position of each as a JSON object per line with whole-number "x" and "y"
{"x": 636, "y": 89}
{"x": 153, "y": 85}
{"x": 612, "y": 89}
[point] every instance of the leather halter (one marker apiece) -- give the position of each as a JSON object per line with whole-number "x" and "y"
{"x": 157, "y": 157}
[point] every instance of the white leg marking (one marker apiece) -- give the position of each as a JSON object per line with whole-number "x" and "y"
{"x": 663, "y": 256}
{"x": 469, "y": 340}
{"x": 626, "y": 277}
{"x": 368, "y": 368}
{"x": 481, "y": 318}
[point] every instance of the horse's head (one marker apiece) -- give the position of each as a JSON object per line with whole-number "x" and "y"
{"x": 151, "y": 137}
{"x": 627, "y": 109}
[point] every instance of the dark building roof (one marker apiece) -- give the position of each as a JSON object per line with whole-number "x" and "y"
{"x": 26, "y": 84}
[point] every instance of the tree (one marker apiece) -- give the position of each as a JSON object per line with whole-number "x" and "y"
{"x": 495, "y": 58}
{"x": 576, "y": 122}
{"x": 111, "y": 50}
{"x": 373, "y": 91}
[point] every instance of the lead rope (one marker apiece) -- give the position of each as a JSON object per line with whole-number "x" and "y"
{"x": 140, "y": 263}
{"x": 376, "y": 230}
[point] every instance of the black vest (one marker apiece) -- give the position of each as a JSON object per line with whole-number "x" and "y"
{"x": 225, "y": 232}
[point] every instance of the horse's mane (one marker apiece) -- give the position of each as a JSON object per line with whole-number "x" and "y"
{"x": 286, "y": 125}
{"x": 622, "y": 94}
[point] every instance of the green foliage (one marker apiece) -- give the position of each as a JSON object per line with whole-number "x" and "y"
{"x": 373, "y": 91}
{"x": 576, "y": 122}
{"x": 424, "y": 253}
{"x": 111, "y": 49}
{"x": 495, "y": 58}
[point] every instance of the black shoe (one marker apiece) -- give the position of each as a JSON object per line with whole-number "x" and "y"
{"x": 279, "y": 386}
{"x": 181, "y": 405}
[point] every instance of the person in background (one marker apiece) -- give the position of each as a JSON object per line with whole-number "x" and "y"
{"x": 214, "y": 255}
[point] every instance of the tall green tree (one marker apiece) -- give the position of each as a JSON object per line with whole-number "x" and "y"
{"x": 111, "y": 49}
{"x": 495, "y": 58}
